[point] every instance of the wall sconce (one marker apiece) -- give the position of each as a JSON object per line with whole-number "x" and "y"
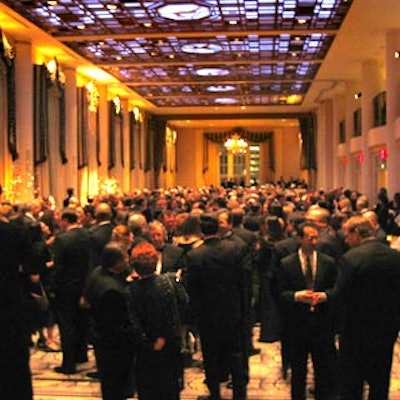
{"x": 54, "y": 70}
{"x": 136, "y": 113}
{"x": 117, "y": 104}
{"x": 396, "y": 54}
{"x": 9, "y": 50}
{"x": 92, "y": 96}
{"x": 360, "y": 158}
{"x": 52, "y": 67}
{"x": 357, "y": 95}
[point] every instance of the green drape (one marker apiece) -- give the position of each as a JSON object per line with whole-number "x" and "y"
{"x": 308, "y": 127}
{"x": 7, "y": 56}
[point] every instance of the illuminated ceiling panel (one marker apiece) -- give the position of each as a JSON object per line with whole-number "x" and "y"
{"x": 171, "y": 52}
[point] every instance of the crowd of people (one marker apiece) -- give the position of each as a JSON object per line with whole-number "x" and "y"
{"x": 140, "y": 276}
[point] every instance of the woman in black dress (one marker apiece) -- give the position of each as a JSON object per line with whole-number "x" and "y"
{"x": 156, "y": 307}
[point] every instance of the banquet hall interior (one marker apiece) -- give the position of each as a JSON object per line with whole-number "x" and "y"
{"x": 114, "y": 96}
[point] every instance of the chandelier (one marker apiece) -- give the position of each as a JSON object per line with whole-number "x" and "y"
{"x": 236, "y": 144}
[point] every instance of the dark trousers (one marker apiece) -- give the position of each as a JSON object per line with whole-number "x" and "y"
{"x": 15, "y": 373}
{"x": 367, "y": 361}
{"x": 73, "y": 326}
{"x": 114, "y": 364}
{"x": 310, "y": 339}
{"x": 224, "y": 347}
{"x": 159, "y": 373}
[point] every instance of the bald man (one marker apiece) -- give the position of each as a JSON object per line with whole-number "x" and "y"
{"x": 100, "y": 232}
{"x": 328, "y": 241}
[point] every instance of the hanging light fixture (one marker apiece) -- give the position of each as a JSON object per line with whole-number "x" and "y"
{"x": 236, "y": 144}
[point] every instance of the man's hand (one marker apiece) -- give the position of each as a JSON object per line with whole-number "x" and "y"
{"x": 318, "y": 297}
{"x": 304, "y": 296}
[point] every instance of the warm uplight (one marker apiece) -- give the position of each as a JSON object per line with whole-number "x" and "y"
{"x": 236, "y": 144}
{"x": 294, "y": 99}
{"x": 136, "y": 113}
{"x": 52, "y": 66}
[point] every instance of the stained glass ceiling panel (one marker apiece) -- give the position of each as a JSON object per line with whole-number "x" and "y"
{"x": 172, "y": 51}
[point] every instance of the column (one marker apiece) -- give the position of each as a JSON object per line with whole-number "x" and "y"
{"x": 370, "y": 87}
{"x": 392, "y": 109}
{"x": 350, "y": 178}
{"x": 103, "y": 128}
{"x": 23, "y": 167}
{"x": 325, "y": 145}
{"x": 339, "y": 166}
{"x": 125, "y": 181}
{"x": 71, "y": 129}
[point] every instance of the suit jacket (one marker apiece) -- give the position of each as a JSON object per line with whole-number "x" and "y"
{"x": 15, "y": 250}
{"x": 108, "y": 297}
{"x": 100, "y": 235}
{"x": 292, "y": 279}
{"x": 245, "y": 234}
{"x": 14, "y": 351}
{"x": 369, "y": 289}
{"x": 216, "y": 284}
{"x": 287, "y": 246}
{"x": 172, "y": 258}
{"x": 71, "y": 262}
{"x": 329, "y": 243}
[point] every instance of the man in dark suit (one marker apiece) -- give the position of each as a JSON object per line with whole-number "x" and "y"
{"x": 137, "y": 224}
{"x": 307, "y": 278}
{"x": 108, "y": 295}
{"x": 100, "y": 232}
{"x": 328, "y": 242}
{"x": 225, "y": 222}
{"x": 216, "y": 289}
{"x": 71, "y": 264}
{"x": 369, "y": 288}
{"x": 281, "y": 249}
{"x": 170, "y": 256}
{"x": 15, "y": 374}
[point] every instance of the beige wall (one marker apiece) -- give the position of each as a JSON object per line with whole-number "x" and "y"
{"x": 189, "y": 147}
{"x": 287, "y": 153}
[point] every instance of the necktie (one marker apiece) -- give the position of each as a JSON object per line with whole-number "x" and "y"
{"x": 308, "y": 275}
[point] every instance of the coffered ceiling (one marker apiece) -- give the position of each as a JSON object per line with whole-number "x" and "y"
{"x": 204, "y": 57}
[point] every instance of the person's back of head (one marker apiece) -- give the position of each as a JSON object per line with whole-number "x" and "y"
{"x": 209, "y": 224}
{"x": 318, "y": 215}
{"x": 112, "y": 254}
{"x": 144, "y": 258}
{"x": 69, "y": 215}
{"x": 103, "y": 212}
{"x": 190, "y": 226}
{"x": 362, "y": 203}
{"x": 137, "y": 223}
{"x": 372, "y": 217}
{"x": 237, "y": 216}
{"x": 361, "y": 225}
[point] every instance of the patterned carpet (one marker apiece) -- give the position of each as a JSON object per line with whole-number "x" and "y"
{"x": 266, "y": 382}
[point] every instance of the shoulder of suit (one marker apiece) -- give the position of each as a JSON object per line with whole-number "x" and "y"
{"x": 290, "y": 258}
{"x": 325, "y": 257}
